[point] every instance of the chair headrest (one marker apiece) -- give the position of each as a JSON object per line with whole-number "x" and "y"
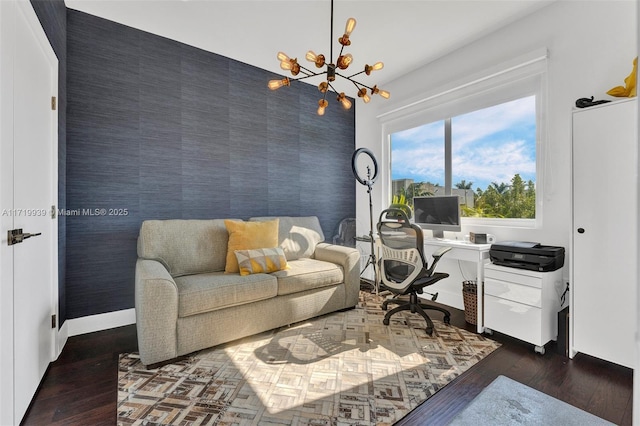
{"x": 397, "y": 215}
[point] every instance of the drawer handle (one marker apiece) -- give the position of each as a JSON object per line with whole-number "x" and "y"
{"x": 580, "y": 230}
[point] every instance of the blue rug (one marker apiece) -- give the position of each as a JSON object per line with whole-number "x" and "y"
{"x": 507, "y": 402}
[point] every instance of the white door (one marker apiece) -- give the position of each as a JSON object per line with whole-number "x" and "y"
{"x": 605, "y": 223}
{"x": 34, "y": 192}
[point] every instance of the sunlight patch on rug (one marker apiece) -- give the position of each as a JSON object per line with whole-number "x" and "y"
{"x": 343, "y": 368}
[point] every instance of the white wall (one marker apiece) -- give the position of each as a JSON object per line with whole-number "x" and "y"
{"x": 7, "y": 15}
{"x": 591, "y": 45}
{"x": 636, "y": 376}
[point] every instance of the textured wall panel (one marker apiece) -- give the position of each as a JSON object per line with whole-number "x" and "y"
{"x": 166, "y": 130}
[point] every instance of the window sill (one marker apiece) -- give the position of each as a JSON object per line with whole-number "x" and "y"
{"x": 499, "y": 223}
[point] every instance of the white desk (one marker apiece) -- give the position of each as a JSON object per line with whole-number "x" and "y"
{"x": 461, "y": 250}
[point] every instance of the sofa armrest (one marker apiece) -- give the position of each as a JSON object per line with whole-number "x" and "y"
{"x": 349, "y": 259}
{"x": 156, "y": 301}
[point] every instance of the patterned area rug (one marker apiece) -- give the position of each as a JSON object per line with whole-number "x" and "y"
{"x": 345, "y": 368}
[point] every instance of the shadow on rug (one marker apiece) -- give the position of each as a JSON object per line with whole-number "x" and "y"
{"x": 341, "y": 368}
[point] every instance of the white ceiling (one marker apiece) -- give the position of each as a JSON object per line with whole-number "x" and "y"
{"x": 404, "y": 34}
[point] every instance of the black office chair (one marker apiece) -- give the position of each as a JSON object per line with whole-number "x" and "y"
{"x": 346, "y": 235}
{"x": 403, "y": 268}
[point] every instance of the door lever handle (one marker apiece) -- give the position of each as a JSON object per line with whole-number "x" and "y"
{"x": 16, "y": 236}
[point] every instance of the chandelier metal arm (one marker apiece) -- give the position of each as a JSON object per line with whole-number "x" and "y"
{"x": 356, "y": 83}
{"x": 310, "y": 72}
{"x": 332, "y": 88}
{"x": 340, "y": 54}
{"x": 353, "y": 75}
{"x": 307, "y": 76}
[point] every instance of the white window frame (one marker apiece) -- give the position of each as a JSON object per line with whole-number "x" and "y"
{"x": 521, "y": 77}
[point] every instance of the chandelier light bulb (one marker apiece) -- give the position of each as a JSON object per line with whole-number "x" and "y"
{"x": 286, "y": 65}
{"x": 276, "y": 84}
{"x": 317, "y": 59}
{"x": 375, "y": 67}
{"x": 362, "y": 93}
{"x": 322, "y": 104}
{"x": 283, "y": 57}
{"x": 346, "y": 103}
{"x": 344, "y": 61}
{"x": 311, "y": 56}
{"x": 344, "y": 40}
{"x": 291, "y": 65}
{"x": 351, "y": 24}
{"x": 323, "y": 86}
{"x": 382, "y": 93}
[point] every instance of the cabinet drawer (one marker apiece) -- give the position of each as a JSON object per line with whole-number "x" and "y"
{"x": 514, "y": 319}
{"x": 513, "y": 277}
{"x": 514, "y": 292}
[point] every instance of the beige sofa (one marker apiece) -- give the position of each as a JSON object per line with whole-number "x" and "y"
{"x": 186, "y": 302}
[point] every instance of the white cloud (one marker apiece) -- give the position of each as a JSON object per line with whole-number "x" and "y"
{"x": 477, "y": 125}
{"x": 497, "y": 164}
{"x": 489, "y": 145}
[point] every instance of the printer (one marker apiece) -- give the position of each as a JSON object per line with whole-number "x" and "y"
{"x": 527, "y": 255}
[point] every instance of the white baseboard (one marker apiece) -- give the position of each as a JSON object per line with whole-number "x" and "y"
{"x": 89, "y": 324}
{"x": 63, "y": 335}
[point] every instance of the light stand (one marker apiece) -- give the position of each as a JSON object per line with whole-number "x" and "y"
{"x": 369, "y": 181}
{"x": 372, "y": 255}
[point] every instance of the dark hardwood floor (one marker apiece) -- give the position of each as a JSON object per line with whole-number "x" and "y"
{"x": 80, "y": 387}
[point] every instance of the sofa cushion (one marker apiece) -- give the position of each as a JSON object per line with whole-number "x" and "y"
{"x": 249, "y": 235}
{"x": 261, "y": 260}
{"x": 185, "y": 247}
{"x": 297, "y": 236}
{"x": 306, "y": 274}
{"x": 209, "y": 292}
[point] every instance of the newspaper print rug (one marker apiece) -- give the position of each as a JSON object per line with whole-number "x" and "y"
{"x": 345, "y": 368}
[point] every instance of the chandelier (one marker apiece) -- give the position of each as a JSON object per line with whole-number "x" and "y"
{"x": 331, "y": 69}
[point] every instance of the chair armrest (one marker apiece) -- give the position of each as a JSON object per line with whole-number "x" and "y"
{"x": 436, "y": 257}
{"x": 156, "y": 302}
{"x": 440, "y": 252}
{"x": 349, "y": 259}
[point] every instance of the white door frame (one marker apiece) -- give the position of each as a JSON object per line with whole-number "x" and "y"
{"x": 8, "y": 12}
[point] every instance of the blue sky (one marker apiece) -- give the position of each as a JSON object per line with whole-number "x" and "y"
{"x": 489, "y": 145}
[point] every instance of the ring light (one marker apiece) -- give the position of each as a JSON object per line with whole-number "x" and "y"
{"x": 354, "y": 167}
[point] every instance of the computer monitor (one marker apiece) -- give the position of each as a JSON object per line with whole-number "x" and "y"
{"x": 438, "y": 214}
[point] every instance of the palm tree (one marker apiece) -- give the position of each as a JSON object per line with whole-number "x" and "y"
{"x": 500, "y": 188}
{"x": 464, "y": 185}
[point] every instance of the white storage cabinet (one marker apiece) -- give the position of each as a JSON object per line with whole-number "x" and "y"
{"x": 522, "y": 304}
{"x": 604, "y": 249}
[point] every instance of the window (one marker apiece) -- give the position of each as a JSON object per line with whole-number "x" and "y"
{"x": 492, "y": 166}
{"x": 480, "y": 140}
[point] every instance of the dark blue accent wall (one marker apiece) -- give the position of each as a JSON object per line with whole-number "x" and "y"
{"x": 53, "y": 18}
{"x": 164, "y": 130}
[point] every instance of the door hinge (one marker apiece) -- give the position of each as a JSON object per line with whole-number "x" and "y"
{"x": 53, "y": 212}
{"x": 53, "y": 103}
{"x": 53, "y": 321}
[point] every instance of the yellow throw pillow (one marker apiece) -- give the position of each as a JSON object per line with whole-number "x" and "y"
{"x": 247, "y": 236}
{"x": 261, "y": 260}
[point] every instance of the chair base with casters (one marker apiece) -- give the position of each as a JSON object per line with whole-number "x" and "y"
{"x": 415, "y": 307}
